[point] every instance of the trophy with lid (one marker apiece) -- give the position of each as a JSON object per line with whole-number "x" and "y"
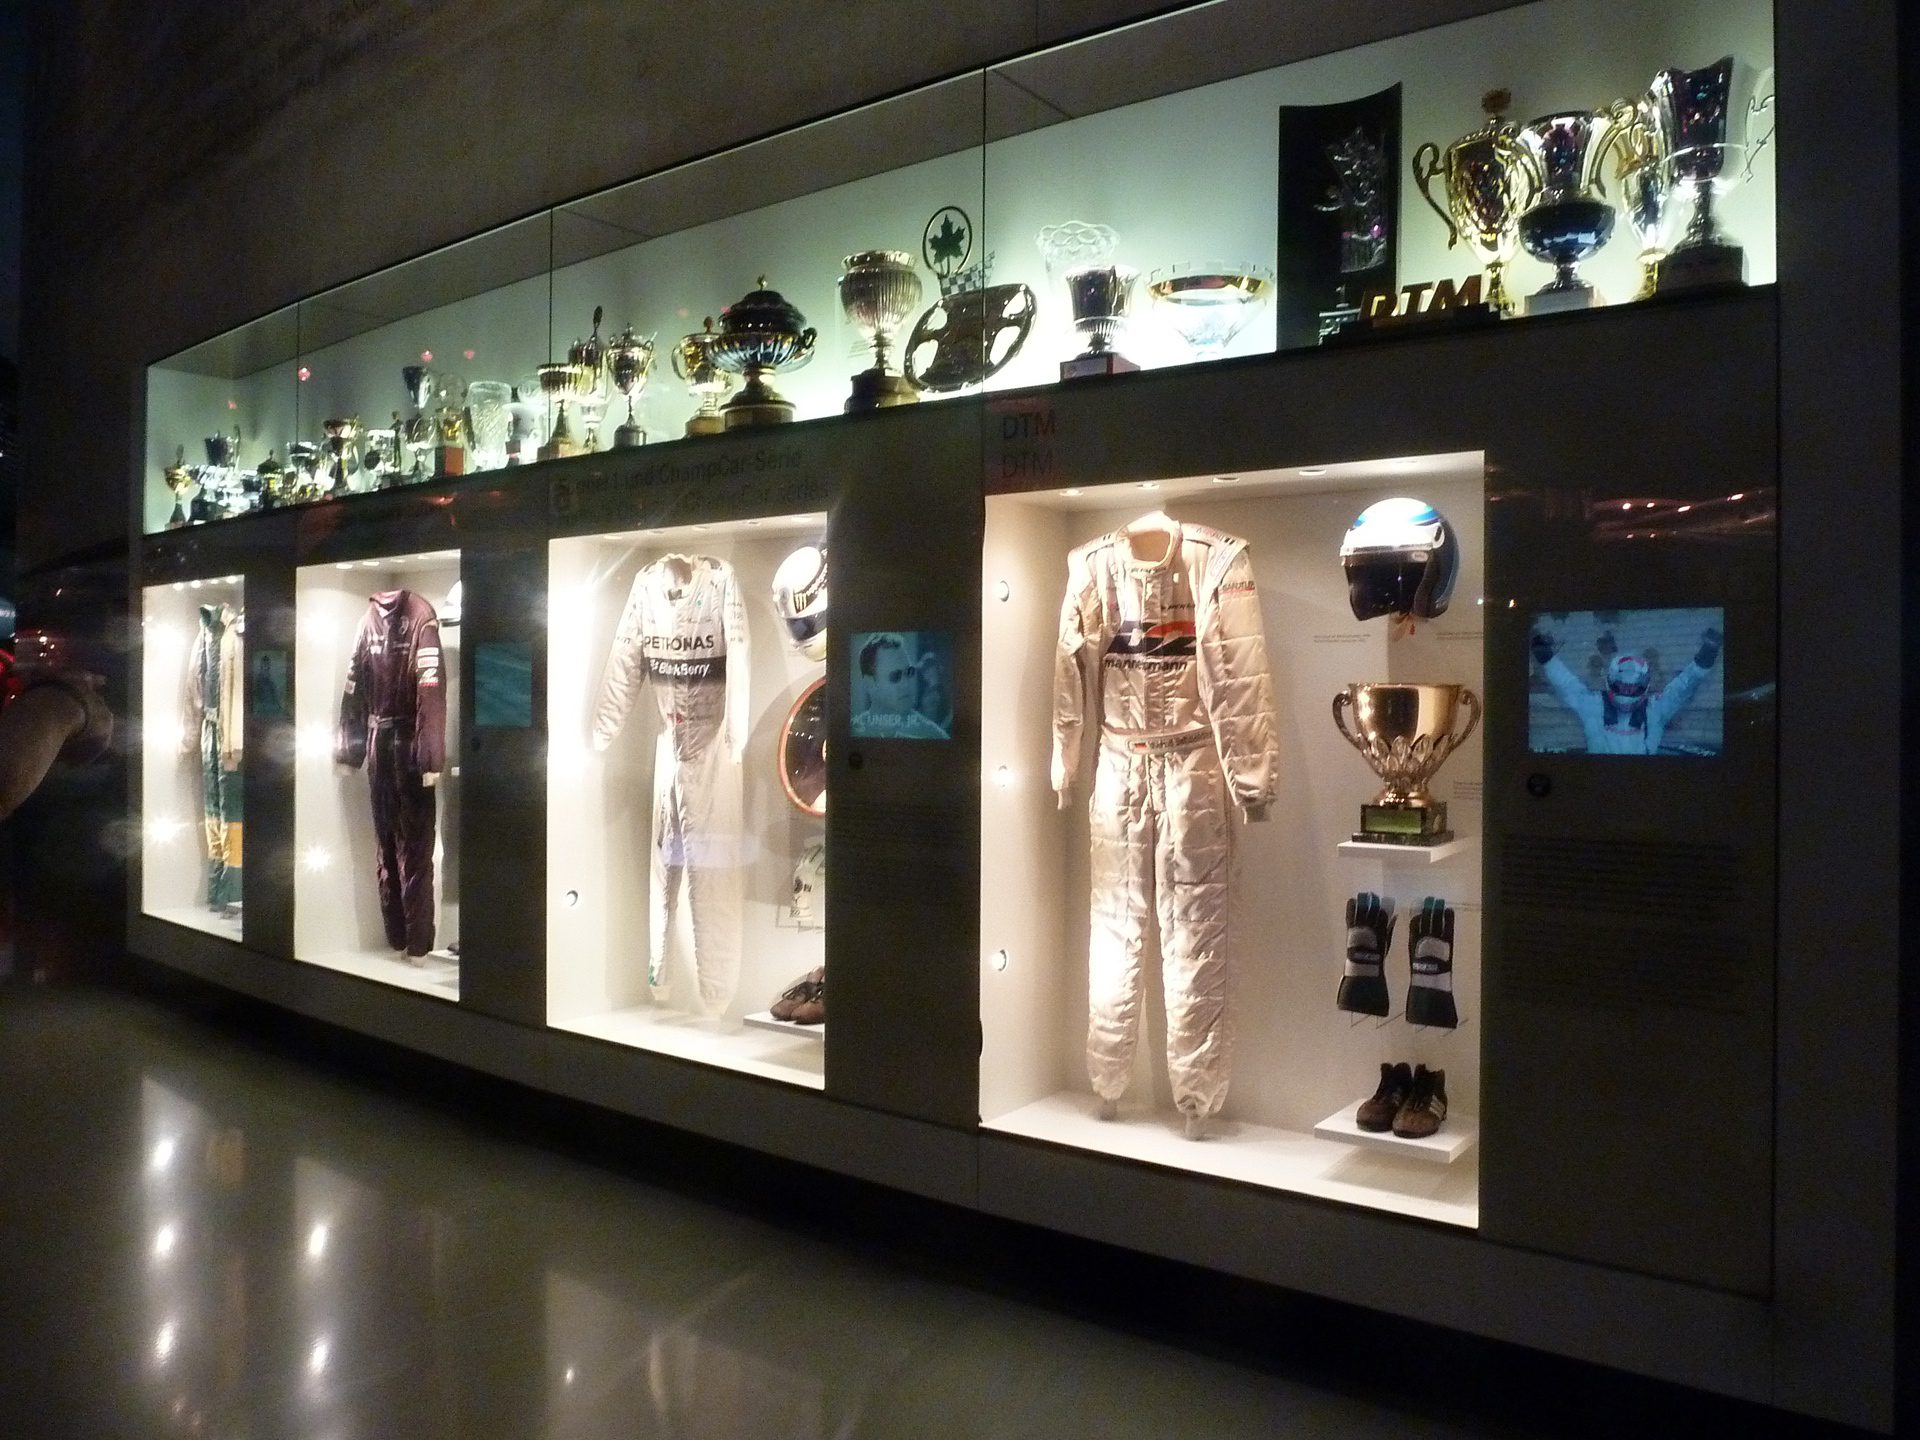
{"x": 1488, "y": 182}
{"x": 878, "y": 290}
{"x": 273, "y": 493}
{"x": 761, "y": 334}
{"x": 576, "y": 378}
{"x": 343, "y": 462}
{"x": 629, "y": 363}
{"x": 693, "y": 362}
{"x": 1570, "y": 217}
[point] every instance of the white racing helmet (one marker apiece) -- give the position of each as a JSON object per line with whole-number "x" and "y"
{"x": 450, "y": 610}
{"x": 1627, "y": 678}
{"x": 800, "y": 595}
{"x": 1401, "y": 558}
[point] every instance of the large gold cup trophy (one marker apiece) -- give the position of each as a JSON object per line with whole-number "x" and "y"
{"x": 1405, "y": 732}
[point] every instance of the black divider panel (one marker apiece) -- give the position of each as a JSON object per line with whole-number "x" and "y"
{"x": 503, "y": 820}
{"x": 267, "y": 918}
{"x": 903, "y": 816}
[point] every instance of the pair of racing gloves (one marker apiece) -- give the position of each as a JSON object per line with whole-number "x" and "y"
{"x": 1363, "y": 988}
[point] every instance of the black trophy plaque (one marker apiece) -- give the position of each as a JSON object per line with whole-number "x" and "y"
{"x": 1339, "y": 212}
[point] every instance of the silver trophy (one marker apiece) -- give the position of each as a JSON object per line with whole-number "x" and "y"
{"x": 1570, "y": 217}
{"x": 1640, "y": 177}
{"x": 1210, "y": 302}
{"x": 1405, "y": 732}
{"x": 629, "y": 364}
{"x": 693, "y": 362}
{"x": 1099, "y": 293}
{"x": 761, "y": 334}
{"x": 878, "y": 290}
{"x": 1690, "y": 111}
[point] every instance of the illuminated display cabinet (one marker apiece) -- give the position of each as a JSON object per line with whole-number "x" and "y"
{"x": 682, "y": 574}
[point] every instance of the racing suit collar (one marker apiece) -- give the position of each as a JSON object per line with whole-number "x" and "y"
{"x": 1159, "y": 524}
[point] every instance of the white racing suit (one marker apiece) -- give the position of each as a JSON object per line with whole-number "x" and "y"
{"x": 1618, "y": 730}
{"x": 1170, "y": 658}
{"x": 684, "y": 634}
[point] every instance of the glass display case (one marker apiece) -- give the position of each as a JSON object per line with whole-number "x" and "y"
{"x": 1169, "y": 937}
{"x": 1185, "y": 191}
{"x": 194, "y": 700}
{"x": 377, "y": 769}
{"x": 686, "y": 793}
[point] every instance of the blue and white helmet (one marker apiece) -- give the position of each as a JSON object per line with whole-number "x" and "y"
{"x": 800, "y": 595}
{"x": 1401, "y": 558}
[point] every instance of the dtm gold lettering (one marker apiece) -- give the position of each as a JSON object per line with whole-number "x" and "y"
{"x": 1414, "y": 303}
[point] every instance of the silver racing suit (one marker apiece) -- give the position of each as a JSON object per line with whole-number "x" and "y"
{"x": 684, "y": 634}
{"x": 1166, "y": 656}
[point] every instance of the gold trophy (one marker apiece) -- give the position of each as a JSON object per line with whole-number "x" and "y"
{"x": 1405, "y": 733}
{"x": 629, "y": 363}
{"x": 180, "y": 481}
{"x": 1490, "y": 183}
{"x": 1640, "y": 173}
{"x": 693, "y": 362}
{"x": 340, "y": 437}
{"x": 761, "y": 334}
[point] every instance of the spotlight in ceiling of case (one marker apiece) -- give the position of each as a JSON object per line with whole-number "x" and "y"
{"x": 1002, "y": 776}
{"x": 1070, "y": 493}
{"x": 163, "y": 1341}
{"x": 317, "y": 858}
{"x": 1000, "y": 959}
{"x": 1226, "y": 479}
{"x": 316, "y": 739}
{"x": 570, "y": 899}
{"x": 162, "y": 1156}
{"x": 317, "y": 1239}
{"x": 1146, "y": 484}
{"x": 1003, "y": 591}
{"x": 162, "y": 830}
{"x": 1310, "y": 471}
{"x": 164, "y": 1240}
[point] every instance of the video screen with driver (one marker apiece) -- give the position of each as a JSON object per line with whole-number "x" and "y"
{"x": 1627, "y": 682}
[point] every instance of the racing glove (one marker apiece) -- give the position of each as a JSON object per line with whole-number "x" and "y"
{"x": 1542, "y": 647}
{"x": 1710, "y": 640}
{"x": 1430, "y": 956}
{"x": 1363, "y": 988}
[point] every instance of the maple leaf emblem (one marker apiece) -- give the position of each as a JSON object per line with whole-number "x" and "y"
{"x": 947, "y": 246}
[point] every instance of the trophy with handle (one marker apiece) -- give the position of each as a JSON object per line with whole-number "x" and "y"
{"x": 1405, "y": 732}
{"x": 1489, "y": 183}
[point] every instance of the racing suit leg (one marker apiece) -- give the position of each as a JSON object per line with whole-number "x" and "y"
{"x": 710, "y": 801}
{"x": 1122, "y": 824}
{"x": 418, "y": 815}
{"x": 1192, "y": 861}
{"x": 232, "y": 794}
{"x": 213, "y": 813}
{"x": 403, "y": 826}
{"x": 667, "y": 864}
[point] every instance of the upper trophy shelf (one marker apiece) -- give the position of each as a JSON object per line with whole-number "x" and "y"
{"x": 1210, "y": 184}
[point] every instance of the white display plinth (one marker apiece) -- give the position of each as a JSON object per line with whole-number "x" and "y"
{"x": 1454, "y": 1138}
{"x": 798, "y": 1059}
{"x": 764, "y": 1020}
{"x": 436, "y": 974}
{"x": 1406, "y": 854}
{"x": 1258, "y": 1155}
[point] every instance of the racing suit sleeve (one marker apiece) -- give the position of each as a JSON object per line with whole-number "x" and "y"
{"x": 429, "y": 698}
{"x": 626, "y": 670}
{"x": 1583, "y": 702}
{"x": 192, "y": 704}
{"x": 1070, "y": 677}
{"x": 350, "y": 737}
{"x": 1235, "y": 688}
{"x": 233, "y": 696}
{"x": 739, "y": 668}
{"x": 1664, "y": 706}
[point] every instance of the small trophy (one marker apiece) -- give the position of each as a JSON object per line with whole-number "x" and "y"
{"x": 761, "y": 334}
{"x": 273, "y": 493}
{"x": 878, "y": 290}
{"x": 694, "y": 364}
{"x": 1099, "y": 293}
{"x": 180, "y": 481}
{"x": 1489, "y": 182}
{"x": 1570, "y": 217}
{"x": 1405, "y": 733}
{"x": 340, "y": 437}
{"x": 629, "y": 363}
{"x": 449, "y": 436}
{"x": 1690, "y": 109}
{"x": 303, "y": 468}
{"x": 577, "y": 378}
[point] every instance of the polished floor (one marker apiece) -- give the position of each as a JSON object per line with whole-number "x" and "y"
{"x": 219, "y": 1222}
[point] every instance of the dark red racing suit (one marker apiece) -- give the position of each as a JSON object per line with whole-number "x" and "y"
{"x": 393, "y": 718}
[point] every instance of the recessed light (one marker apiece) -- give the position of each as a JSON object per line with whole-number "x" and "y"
{"x": 1626, "y": 504}
{"x": 1226, "y": 479}
{"x": 1684, "y": 509}
{"x": 1146, "y": 485}
{"x": 1312, "y": 470}
{"x": 1738, "y": 495}
{"x": 1069, "y": 493}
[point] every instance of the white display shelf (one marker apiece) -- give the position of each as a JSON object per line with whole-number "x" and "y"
{"x": 1258, "y": 1155}
{"x": 436, "y": 974}
{"x": 764, "y": 1020}
{"x": 199, "y": 917}
{"x": 1456, "y": 1136}
{"x": 1407, "y": 854}
{"x": 795, "y": 1055}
